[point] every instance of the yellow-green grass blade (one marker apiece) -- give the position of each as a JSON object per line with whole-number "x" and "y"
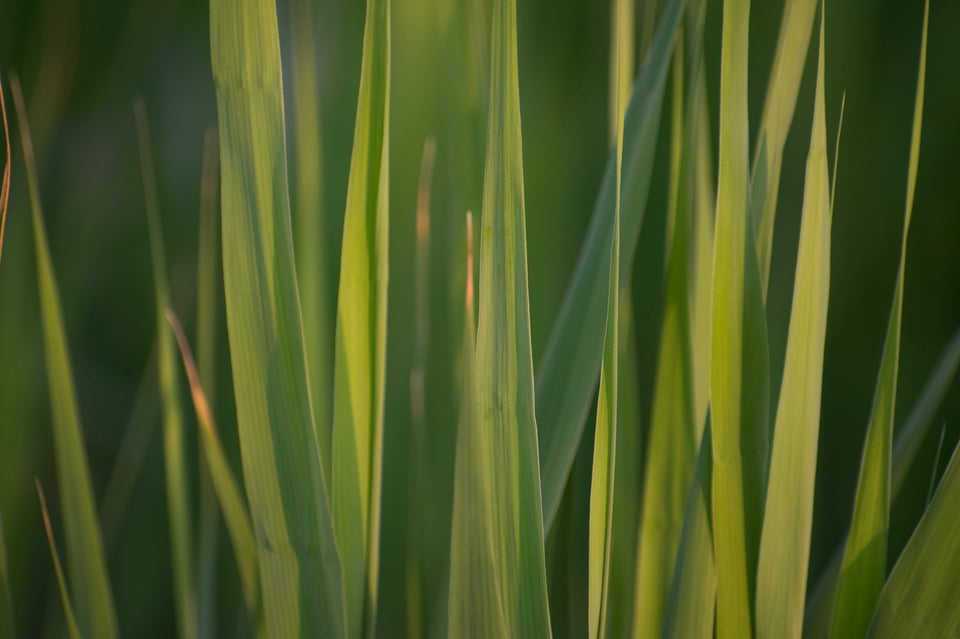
{"x": 569, "y": 370}
{"x": 300, "y": 577}
{"x": 920, "y": 597}
{"x": 72, "y": 627}
{"x": 796, "y": 25}
{"x": 227, "y": 490}
{"x": 178, "y": 499}
{"x": 208, "y": 297}
{"x": 603, "y": 473}
{"x": 910, "y": 435}
{"x": 310, "y": 223}
{"x": 692, "y": 599}
{"x": 89, "y": 582}
{"x": 476, "y": 604}
{"x": 5, "y": 181}
{"x": 865, "y": 554}
{"x": 361, "y": 335}
{"x": 788, "y": 514}
{"x": 7, "y": 625}
{"x": 505, "y": 387}
{"x": 622, "y": 52}
{"x": 739, "y": 359}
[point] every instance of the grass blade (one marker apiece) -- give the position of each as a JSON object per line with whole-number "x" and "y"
{"x": 920, "y": 597}
{"x": 568, "y": 373}
{"x": 7, "y": 625}
{"x": 739, "y": 359}
{"x": 178, "y": 500}
{"x": 61, "y": 581}
{"x": 96, "y": 616}
{"x": 5, "y": 181}
{"x": 796, "y": 25}
{"x": 227, "y": 490}
{"x": 865, "y": 555}
{"x": 300, "y": 578}
{"x": 360, "y": 364}
{"x": 788, "y": 515}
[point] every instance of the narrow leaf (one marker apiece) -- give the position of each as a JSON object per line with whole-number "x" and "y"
{"x": 300, "y": 578}
{"x": 7, "y": 625}
{"x": 5, "y": 181}
{"x": 865, "y": 555}
{"x": 61, "y": 581}
{"x": 788, "y": 515}
{"x": 85, "y": 557}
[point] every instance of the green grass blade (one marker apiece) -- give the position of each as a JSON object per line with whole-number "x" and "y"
{"x": 361, "y": 336}
{"x": 5, "y": 181}
{"x": 603, "y": 474}
{"x": 865, "y": 555}
{"x": 61, "y": 581}
{"x": 568, "y": 373}
{"x": 739, "y": 359}
{"x": 920, "y": 597}
{"x": 691, "y": 603}
{"x": 178, "y": 500}
{"x": 796, "y": 25}
{"x": 7, "y": 625}
{"x": 89, "y": 582}
{"x": 788, "y": 515}
{"x": 227, "y": 490}
{"x": 311, "y": 225}
{"x": 622, "y": 53}
{"x": 300, "y": 577}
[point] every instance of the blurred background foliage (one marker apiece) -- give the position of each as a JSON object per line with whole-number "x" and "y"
{"x": 83, "y": 62}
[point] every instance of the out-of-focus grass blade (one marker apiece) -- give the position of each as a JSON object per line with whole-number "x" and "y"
{"x": 788, "y": 514}
{"x": 7, "y": 625}
{"x": 865, "y": 555}
{"x": 178, "y": 499}
{"x": 311, "y": 225}
{"x": 361, "y": 337}
{"x": 909, "y": 438}
{"x": 85, "y": 558}
{"x": 61, "y": 581}
{"x": 920, "y": 597}
{"x": 504, "y": 367}
{"x": 568, "y": 372}
{"x": 5, "y": 181}
{"x": 476, "y": 604}
{"x": 300, "y": 577}
{"x": 228, "y": 492}
{"x": 603, "y": 475}
{"x": 739, "y": 359}
{"x": 796, "y": 26}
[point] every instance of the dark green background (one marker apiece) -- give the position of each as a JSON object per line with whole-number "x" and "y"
{"x": 82, "y": 62}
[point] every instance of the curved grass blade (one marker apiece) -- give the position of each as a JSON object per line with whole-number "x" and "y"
{"x": 89, "y": 582}
{"x": 920, "y": 597}
{"x": 5, "y": 181}
{"x": 603, "y": 474}
{"x": 739, "y": 359}
{"x": 361, "y": 337}
{"x": 300, "y": 578}
{"x": 796, "y": 25}
{"x": 788, "y": 515}
{"x": 7, "y": 625}
{"x": 567, "y": 374}
{"x": 61, "y": 581}
{"x": 178, "y": 500}
{"x": 865, "y": 555}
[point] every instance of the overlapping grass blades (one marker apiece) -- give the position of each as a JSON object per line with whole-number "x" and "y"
{"x": 739, "y": 360}
{"x": 788, "y": 513}
{"x": 865, "y": 554}
{"x": 95, "y": 614}
{"x": 503, "y": 465}
{"x": 567, "y": 374}
{"x": 361, "y": 335}
{"x": 300, "y": 576}
{"x": 178, "y": 499}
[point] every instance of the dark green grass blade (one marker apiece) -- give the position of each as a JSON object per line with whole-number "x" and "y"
{"x": 89, "y": 582}
{"x": 300, "y": 577}
{"x": 361, "y": 335}
{"x": 178, "y": 499}
{"x": 568, "y": 373}
{"x": 7, "y": 625}
{"x": 865, "y": 555}
{"x": 788, "y": 514}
